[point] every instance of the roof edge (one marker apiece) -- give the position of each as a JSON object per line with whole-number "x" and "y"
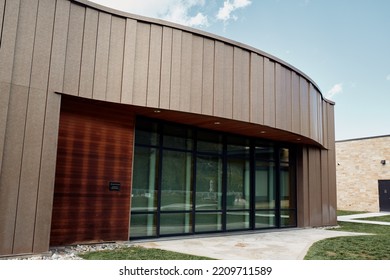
{"x": 363, "y": 138}
{"x": 202, "y": 33}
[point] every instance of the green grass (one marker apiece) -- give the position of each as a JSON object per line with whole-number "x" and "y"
{"x": 346, "y": 212}
{"x": 138, "y": 253}
{"x": 367, "y": 247}
{"x": 377, "y": 219}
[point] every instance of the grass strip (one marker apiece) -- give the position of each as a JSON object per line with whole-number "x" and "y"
{"x": 377, "y": 219}
{"x": 138, "y": 253}
{"x": 366, "y": 247}
{"x": 347, "y": 212}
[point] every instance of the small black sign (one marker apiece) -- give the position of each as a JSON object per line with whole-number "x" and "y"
{"x": 115, "y": 186}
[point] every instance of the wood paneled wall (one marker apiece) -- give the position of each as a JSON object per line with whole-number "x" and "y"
{"x": 79, "y": 48}
{"x": 95, "y": 147}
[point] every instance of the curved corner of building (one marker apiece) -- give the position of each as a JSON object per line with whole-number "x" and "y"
{"x": 96, "y": 102}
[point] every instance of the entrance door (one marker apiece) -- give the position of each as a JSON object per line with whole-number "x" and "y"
{"x": 384, "y": 195}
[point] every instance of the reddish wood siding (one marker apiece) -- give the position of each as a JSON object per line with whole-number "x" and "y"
{"x": 94, "y": 147}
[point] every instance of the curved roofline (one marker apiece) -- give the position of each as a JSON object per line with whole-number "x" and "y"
{"x": 202, "y": 33}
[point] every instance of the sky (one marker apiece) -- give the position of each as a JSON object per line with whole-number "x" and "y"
{"x": 342, "y": 45}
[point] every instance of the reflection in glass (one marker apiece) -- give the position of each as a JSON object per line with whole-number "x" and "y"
{"x": 238, "y": 183}
{"x": 265, "y": 219}
{"x": 288, "y": 218}
{"x": 146, "y": 133}
{"x": 175, "y": 223}
{"x": 208, "y": 221}
{"x": 176, "y": 187}
{"x": 144, "y": 191}
{"x": 287, "y": 192}
{"x": 208, "y": 183}
{"x": 237, "y": 145}
{"x": 265, "y": 153}
{"x": 265, "y": 185}
{"x": 237, "y": 220}
{"x": 143, "y": 225}
{"x": 208, "y": 142}
{"x": 177, "y": 137}
{"x": 284, "y": 155}
{"x": 187, "y": 179}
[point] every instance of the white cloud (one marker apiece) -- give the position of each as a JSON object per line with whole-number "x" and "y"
{"x": 178, "y": 11}
{"x": 225, "y": 13}
{"x": 388, "y": 77}
{"x": 336, "y": 89}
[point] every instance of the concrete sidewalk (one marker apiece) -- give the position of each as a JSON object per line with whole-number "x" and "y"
{"x": 352, "y": 218}
{"x": 291, "y": 244}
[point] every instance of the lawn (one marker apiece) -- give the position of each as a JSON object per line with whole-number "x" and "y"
{"x": 347, "y": 212}
{"x": 378, "y": 219}
{"x": 138, "y": 253}
{"x": 375, "y": 246}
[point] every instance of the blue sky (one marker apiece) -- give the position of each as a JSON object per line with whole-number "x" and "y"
{"x": 343, "y": 45}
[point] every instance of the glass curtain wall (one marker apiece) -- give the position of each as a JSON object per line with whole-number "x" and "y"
{"x": 144, "y": 201}
{"x": 209, "y": 178}
{"x": 237, "y": 183}
{"x": 188, "y": 181}
{"x": 265, "y": 186}
{"x": 287, "y": 188}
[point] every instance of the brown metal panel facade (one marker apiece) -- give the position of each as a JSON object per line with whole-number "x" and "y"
{"x": 257, "y": 88}
{"x": 208, "y": 77}
{"x": 128, "y": 61}
{"x": 115, "y": 59}
{"x": 88, "y": 53}
{"x": 228, "y": 67}
{"x": 241, "y": 85}
{"x": 218, "y": 79}
{"x": 2, "y": 8}
{"x": 174, "y": 97}
{"x": 196, "y": 75}
{"x": 7, "y": 49}
{"x": 281, "y": 97}
{"x": 269, "y": 93}
{"x": 295, "y": 103}
{"x": 101, "y": 59}
{"x": 153, "y": 99}
{"x": 73, "y": 49}
{"x": 174, "y": 73}
{"x": 12, "y": 164}
{"x": 165, "y": 75}
{"x": 185, "y": 75}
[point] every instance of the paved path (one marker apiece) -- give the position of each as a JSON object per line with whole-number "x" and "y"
{"x": 353, "y": 218}
{"x": 291, "y": 244}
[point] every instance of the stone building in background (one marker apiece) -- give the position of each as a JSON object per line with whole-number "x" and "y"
{"x": 363, "y": 174}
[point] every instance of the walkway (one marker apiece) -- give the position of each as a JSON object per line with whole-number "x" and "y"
{"x": 352, "y": 218}
{"x": 291, "y": 244}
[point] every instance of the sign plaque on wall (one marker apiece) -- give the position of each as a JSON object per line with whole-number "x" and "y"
{"x": 114, "y": 186}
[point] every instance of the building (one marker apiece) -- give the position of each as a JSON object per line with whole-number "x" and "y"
{"x": 363, "y": 174}
{"x": 115, "y": 126}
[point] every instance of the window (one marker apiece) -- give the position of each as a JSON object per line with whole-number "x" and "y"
{"x": 188, "y": 180}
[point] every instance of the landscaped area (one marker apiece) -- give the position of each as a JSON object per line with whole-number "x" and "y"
{"x": 373, "y": 246}
{"x": 138, "y": 253}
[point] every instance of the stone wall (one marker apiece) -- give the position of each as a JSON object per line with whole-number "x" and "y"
{"x": 359, "y": 168}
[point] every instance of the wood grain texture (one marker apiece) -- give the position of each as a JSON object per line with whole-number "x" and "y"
{"x": 94, "y": 147}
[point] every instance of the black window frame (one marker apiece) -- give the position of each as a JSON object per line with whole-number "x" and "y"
{"x": 224, "y": 136}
